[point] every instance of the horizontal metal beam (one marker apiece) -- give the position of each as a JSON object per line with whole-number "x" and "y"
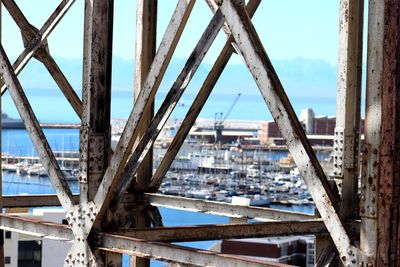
{"x": 168, "y": 252}
{"x": 35, "y": 227}
{"x": 225, "y": 209}
{"x": 130, "y": 245}
{"x": 31, "y": 201}
{"x": 211, "y": 207}
{"x": 226, "y": 231}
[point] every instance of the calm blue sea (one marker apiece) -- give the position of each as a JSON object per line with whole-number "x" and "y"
{"x": 50, "y": 106}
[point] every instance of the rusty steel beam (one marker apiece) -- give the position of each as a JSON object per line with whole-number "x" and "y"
{"x": 226, "y": 231}
{"x": 347, "y": 131}
{"x": 174, "y": 253}
{"x": 35, "y": 227}
{"x": 95, "y": 131}
{"x": 145, "y": 50}
{"x": 211, "y": 207}
{"x": 127, "y": 245}
{"x": 213, "y": 5}
{"x": 197, "y": 106}
{"x": 224, "y": 209}
{"x": 372, "y": 133}
{"x": 172, "y": 98}
{"x": 157, "y": 69}
{"x": 388, "y": 213}
{"x": 41, "y": 39}
{"x": 272, "y": 90}
{"x": 35, "y": 132}
{"x": 31, "y": 201}
{"x": 146, "y": 35}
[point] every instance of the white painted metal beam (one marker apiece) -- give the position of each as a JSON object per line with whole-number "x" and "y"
{"x": 35, "y": 132}
{"x": 174, "y": 253}
{"x": 274, "y": 95}
{"x": 225, "y": 209}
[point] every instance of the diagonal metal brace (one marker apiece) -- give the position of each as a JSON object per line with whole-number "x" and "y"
{"x": 261, "y": 68}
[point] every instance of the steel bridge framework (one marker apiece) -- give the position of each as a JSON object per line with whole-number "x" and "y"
{"x": 116, "y": 211}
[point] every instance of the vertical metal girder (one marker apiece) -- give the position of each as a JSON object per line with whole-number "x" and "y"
{"x": 197, "y": 105}
{"x": 146, "y": 36}
{"x": 146, "y": 41}
{"x": 96, "y": 92}
{"x": 95, "y": 126}
{"x": 35, "y": 132}
{"x": 267, "y": 80}
{"x": 372, "y": 131}
{"x": 99, "y": 207}
{"x": 346, "y": 146}
{"x": 171, "y": 100}
{"x": 153, "y": 79}
{"x": 387, "y": 253}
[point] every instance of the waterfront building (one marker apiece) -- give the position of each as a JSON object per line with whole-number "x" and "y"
{"x": 295, "y": 250}
{"x": 22, "y": 250}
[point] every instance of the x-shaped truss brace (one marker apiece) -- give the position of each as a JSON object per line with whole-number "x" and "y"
{"x": 123, "y": 165}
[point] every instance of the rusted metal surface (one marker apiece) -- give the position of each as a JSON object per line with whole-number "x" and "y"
{"x": 102, "y": 180}
{"x": 197, "y": 106}
{"x": 162, "y": 251}
{"x": 372, "y": 132}
{"x": 224, "y": 209}
{"x": 171, "y": 100}
{"x": 227, "y": 231}
{"x": 146, "y": 33}
{"x": 95, "y": 129}
{"x": 35, "y": 227}
{"x": 263, "y": 72}
{"x": 145, "y": 50}
{"x": 36, "y": 44}
{"x": 30, "y": 201}
{"x": 388, "y": 247}
{"x": 36, "y": 134}
{"x": 348, "y": 101}
{"x": 157, "y": 69}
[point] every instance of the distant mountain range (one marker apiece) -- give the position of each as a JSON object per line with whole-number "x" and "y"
{"x": 300, "y": 77}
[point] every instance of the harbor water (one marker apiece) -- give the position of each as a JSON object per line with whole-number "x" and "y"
{"x": 17, "y": 142}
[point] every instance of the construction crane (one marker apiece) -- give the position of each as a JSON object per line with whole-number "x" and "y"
{"x": 219, "y": 120}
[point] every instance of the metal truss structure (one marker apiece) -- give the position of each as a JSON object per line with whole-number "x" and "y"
{"x": 116, "y": 211}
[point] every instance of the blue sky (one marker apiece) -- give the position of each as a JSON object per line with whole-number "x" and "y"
{"x": 288, "y": 28}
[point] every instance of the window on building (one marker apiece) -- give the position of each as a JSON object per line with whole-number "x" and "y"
{"x": 7, "y": 260}
{"x": 30, "y": 253}
{"x": 8, "y": 234}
